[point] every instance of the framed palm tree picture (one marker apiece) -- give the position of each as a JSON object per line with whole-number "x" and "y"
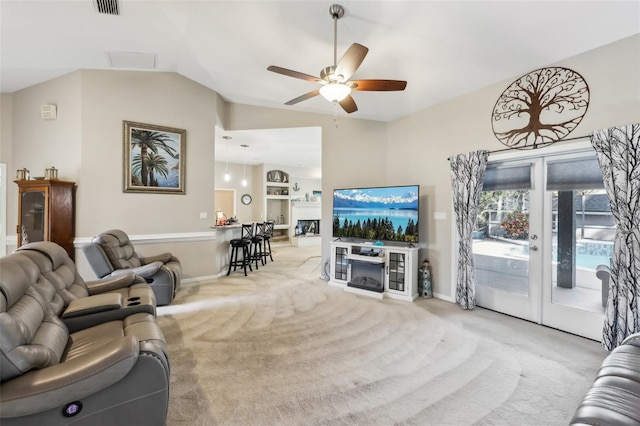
{"x": 154, "y": 158}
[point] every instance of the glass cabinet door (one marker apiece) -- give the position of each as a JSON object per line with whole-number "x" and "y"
{"x": 32, "y": 216}
{"x": 341, "y": 263}
{"x": 396, "y": 271}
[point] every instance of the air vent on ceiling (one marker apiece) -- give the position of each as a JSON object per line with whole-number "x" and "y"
{"x": 108, "y": 7}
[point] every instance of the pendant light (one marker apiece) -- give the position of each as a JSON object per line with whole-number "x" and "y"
{"x": 244, "y": 166}
{"x": 227, "y": 175}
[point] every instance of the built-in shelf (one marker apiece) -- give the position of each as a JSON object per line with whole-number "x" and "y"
{"x": 278, "y": 202}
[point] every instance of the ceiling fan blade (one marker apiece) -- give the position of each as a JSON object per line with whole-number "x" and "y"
{"x": 350, "y": 61}
{"x": 379, "y": 85}
{"x": 348, "y": 104}
{"x": 303, "y": 97}
{"x": 294, "y": 74}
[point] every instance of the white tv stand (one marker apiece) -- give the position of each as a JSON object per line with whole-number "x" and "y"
{"x": 375, "y": 271}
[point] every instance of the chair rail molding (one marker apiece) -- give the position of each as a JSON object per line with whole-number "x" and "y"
{"x": 158, "y": 238}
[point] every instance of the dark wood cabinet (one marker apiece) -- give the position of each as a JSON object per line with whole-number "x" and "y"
{"x": 46, "y": 212}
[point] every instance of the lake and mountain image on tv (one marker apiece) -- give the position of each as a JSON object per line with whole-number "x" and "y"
{"x": 378, "y": 213}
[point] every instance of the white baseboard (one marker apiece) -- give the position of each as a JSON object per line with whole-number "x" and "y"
{"x": 201, "y": 279}
{"x": 443, "y": 297}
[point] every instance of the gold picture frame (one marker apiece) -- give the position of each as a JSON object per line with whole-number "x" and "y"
{"x": 154, "y": 158}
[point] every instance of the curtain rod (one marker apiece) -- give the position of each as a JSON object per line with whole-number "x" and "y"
{"x": 541, "y": 145}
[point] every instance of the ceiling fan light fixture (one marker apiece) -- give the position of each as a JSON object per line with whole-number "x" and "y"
{"x": 335, "y": 92}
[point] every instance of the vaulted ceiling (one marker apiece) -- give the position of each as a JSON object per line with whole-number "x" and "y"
{"x": 443, "y": 49}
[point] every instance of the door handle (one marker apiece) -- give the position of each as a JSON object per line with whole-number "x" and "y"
{"x": 534, "y": 237}
{"x": 533, "y": 248}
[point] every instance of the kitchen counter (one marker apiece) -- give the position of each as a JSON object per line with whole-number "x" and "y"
{"x": 223, "y": 227}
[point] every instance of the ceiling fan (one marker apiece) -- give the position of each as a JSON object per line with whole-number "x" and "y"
{"x": 336, "y": 86}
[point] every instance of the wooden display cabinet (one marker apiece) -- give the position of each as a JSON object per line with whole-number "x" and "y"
{"x": 46, "y": 212}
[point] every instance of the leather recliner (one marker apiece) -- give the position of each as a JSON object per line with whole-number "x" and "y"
{"x": 112, "y": 253}
{"x": 614, "y": 396}
{"x": 116, "y": 372}
{"x": 78, "y": 303}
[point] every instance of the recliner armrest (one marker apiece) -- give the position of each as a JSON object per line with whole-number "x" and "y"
{"x": 632, "y": 339}
{"x": 112, "y": 282}
{"x": 93, "y": 304}
{"x": 163, "y": 257}
{"x": 141, "y": 271}
{"x": 54, "y": 386}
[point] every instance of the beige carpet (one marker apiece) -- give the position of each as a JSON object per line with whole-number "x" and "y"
{"x": 282, "y": 347}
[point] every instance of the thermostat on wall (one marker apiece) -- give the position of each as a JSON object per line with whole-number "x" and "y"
{"x": 49, "y": 112}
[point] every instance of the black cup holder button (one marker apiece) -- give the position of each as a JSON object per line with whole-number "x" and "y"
{"x": 133, "y": 299}
{"x": 133, "y": 303}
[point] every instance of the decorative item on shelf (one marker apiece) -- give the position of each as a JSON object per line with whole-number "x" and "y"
{"x": 276, "y": 176}
{"x": 51, "y": 173}
{"x": 285, "y": 192}
{"x": 306, "y": 197}
{"x": 427, "y": 290}
{"x": 25, "y": 236}
{"x": 276, "y": 192}
{"x": 22, "y": 174}
{"x": 281, "y": 219}
{"x": 221, "y": 219}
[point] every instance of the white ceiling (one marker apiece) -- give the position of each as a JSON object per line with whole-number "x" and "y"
{"x": 444, "y": 49}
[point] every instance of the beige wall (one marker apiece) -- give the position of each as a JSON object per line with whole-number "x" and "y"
{"x": 87, "y": 146}
{"x": 429, "y": 137}
{"x": 6, "y": 128}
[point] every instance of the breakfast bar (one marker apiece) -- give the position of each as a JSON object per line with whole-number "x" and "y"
{"x": 224, "y": 234}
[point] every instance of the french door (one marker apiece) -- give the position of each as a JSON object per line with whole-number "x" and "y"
{"x": 544, "y": 238}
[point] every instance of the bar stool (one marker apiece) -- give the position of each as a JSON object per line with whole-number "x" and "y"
{"x": 256, "y": 239}
{"x": 266, "y": 236}
{"x": 238, "y": 244}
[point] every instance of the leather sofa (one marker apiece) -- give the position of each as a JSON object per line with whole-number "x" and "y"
{"x": 78, "y": 303}
{"x": 614, "y": 396}
{"x": 107, "y": 371}
{"x": 112, "y": 253}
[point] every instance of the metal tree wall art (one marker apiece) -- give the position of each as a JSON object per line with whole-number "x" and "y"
{"x": 540, "y": 108}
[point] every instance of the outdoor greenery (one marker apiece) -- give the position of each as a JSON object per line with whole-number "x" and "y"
{"x": 495, "y": 206}
{"x": 516, "y": 225}
{"x": 376, "y": 229}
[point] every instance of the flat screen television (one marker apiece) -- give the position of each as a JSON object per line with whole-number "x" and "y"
{"x": 388, "y": 213}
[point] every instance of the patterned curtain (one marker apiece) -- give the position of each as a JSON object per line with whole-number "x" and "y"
{"x": 618, "y": 151}
{"x": 467, "y": 176}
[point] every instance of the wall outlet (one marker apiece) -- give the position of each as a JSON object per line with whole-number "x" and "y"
{"x": 440, "y": 215}
{"x": 204, "y": 215}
